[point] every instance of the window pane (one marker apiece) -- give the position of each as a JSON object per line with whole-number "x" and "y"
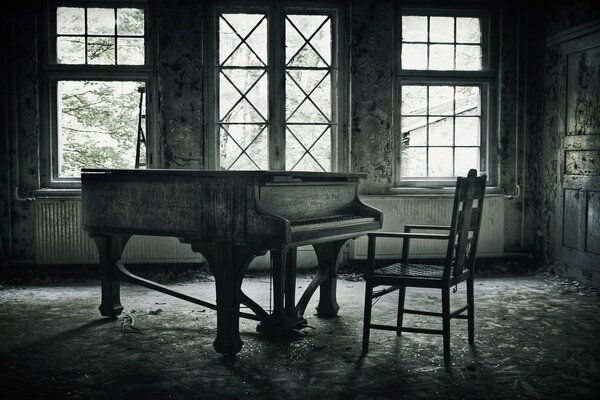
{"x": 441, "y": 100}
{"x": 101, "y": 50}
{"x": 308, "y": 147}
{"x": 243, "y": 96}
{"x": 441, "y": 57}
{"x": 414, "y": 56}
{"x": 440, "y": 162}
{"x": 130, "y": 21}
{"x": 441, "y": 131}
{"x": 414, "y": 29}
{"x": 467, "y": 100}
{"x": 243, "y": 40}
{"x": 467, "y": 131}
{"x": 414, "y": 131}
{"x": 97, "y": 125}
{"x": 130, "y": 51}
{"x": 413, "y": 161}
{"x": 101, "y": 21}
{"x": 308, "y": 96}
{"x": 441, "y": 29}
{"x": 70, "y": 50}
{"x": 466, "y": 158}
{"x": 468, "y": 30}
{"x": 70, "y": 20}
{"x": 468, "y": 57}
{"x": 308, "y": 40}
{"x": 414, "y": 100}
{"x": 244, "y": 147}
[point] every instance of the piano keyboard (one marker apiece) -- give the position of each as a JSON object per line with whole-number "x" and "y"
{"x": 329, "y": 222}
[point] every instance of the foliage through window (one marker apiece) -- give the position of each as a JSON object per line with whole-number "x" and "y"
{"x": 98, "y": 76}
{"x": 444, "y": 84}
{"x": 303, "y": 127}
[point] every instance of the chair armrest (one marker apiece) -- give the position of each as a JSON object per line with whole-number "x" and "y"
{"x": 409, "y": 235}
{"x": 408, "y": 227}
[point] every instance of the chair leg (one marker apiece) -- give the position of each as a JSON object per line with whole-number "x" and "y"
{"x": 401, "y": 297}
{"x": 367, "y": 315}
{"x": 471, "y": 310}
{"x": 446, "y": 322}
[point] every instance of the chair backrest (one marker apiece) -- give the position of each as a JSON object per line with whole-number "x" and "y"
{"x": 465, "y": 224}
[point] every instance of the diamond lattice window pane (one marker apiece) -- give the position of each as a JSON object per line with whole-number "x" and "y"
{"x": 308, "y": 40}
{"x": 243, "y": 95}
{"x": 308, "y": 96}
{"x": 70, "y": 20}
{"x": 244, "y": 146}
{"x": 242, "y": 40}
{"x": 308, "y": 147}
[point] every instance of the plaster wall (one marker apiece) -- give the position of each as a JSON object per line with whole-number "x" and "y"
{"x": 524, "y": 155}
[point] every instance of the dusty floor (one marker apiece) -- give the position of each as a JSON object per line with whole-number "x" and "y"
{"x": 536, "y": 337}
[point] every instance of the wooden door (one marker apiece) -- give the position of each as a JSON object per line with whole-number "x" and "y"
{"x": 578, "y": 200}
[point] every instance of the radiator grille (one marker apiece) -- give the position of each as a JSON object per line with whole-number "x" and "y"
{"x": 60, "y": 238}
{"x": 438, "y": 210}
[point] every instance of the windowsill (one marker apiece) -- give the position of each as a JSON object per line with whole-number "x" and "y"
{"x": 446, "y": 191}
{"x": 57, "y": 193}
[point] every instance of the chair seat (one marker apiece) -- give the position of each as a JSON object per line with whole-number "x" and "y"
{"x": 401, "y": 270}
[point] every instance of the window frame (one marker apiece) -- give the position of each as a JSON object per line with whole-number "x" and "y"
{"x": 53, "y": 72}
{"x": 276, "y": 70}
{"x": 486, "y": 78}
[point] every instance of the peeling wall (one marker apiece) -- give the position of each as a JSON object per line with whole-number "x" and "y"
{"x": 372, "y": 93}
{"x": 23, "y": 128}
{"x": 180, "y": 83}
{"x": 527, "y": 137}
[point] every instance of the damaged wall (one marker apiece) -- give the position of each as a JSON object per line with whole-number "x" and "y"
{"x": 526, "y": 155}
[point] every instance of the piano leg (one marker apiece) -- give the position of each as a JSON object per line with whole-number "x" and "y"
{"x": 228, "y": 264}
{"x": 284, "y": 318}
{"x": 110, "y": 249}
{"x": 327, "y": 254}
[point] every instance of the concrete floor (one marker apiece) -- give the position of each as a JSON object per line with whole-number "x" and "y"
{"x": 536, "y": 338}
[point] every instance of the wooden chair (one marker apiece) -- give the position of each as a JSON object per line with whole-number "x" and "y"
{"x": 461, "y": 235}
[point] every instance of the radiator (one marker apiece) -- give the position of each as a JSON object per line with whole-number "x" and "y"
{"x": 400, "y": 210}
{"x": 59, "y": 238}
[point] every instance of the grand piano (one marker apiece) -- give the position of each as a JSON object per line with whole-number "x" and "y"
{"x": 230, "y": 217}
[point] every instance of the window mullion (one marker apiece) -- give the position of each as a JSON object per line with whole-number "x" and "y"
{"x": 277, "y": 88}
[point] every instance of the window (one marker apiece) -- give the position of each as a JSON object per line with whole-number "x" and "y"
{"x": 276, "y": 76}
{"x": 98, "y": 74}
{"x": 445, "y": 77}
